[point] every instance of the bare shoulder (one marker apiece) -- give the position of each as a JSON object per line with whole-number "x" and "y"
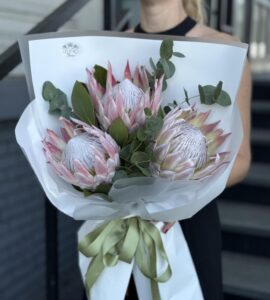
{"x": 207, "y": 32}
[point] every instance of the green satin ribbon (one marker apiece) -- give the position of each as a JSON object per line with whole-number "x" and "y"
{"x": 125, "y": 239}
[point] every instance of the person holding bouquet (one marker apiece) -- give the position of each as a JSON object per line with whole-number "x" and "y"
{"x": 202, "y": 231}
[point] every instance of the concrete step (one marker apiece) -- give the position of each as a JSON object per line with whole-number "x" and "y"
{"x": 261, "y": 87}
{"x": 259, "y": 175}
{"x": 260, "y": 136}
{"x": 260, "y": 142}
{"x": 261, "y": 106}
{"x": 245, "y": 227}
{"x": 245, "y": 218}
{"x": 254, "y": 189}
{"x": 246, "y": 276}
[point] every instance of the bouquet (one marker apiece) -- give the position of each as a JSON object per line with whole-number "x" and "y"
{"x": 128, "y": 152}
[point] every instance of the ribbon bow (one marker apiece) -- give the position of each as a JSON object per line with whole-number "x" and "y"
{"x": 125, "y": 239}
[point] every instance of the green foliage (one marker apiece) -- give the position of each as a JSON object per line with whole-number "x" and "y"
{"x": 119, "y": 131}
{"x": 103, "y": 188}
{"x": 141, "y": 135}
{"x": 100, "y": 75}
{"x": 136, "y": 154}
{"x": 152, "y": 127}
{"x": 140, "y": 157}
{"x": 210, "y": 94}
{"x": 163, "y": 66}
{"x": 119, "y": 174}
{"x": 148, "y": 112}
{"x": 57, "y": 99}
{"x": 166, "y": 49}
{"x": 186, "y": 97}
{"x": 178, "y": 54}
{"x": 82, "y": 104}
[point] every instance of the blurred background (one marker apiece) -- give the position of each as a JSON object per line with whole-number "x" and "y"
{"x": 38, "y": 248}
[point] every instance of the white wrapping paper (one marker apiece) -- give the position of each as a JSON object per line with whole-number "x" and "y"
{"x": 152, "y": 199}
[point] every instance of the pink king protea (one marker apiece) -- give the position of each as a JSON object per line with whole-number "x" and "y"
{"x": 85, "y": 157}
{"x": 186, "y": 147}
{"x": 126, "y": 99}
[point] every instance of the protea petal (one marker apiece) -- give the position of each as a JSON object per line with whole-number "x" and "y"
{"x": 126, "y": 99}
{"x": 156, "y": 99}
{"x": 56, "y": 140}
{"x": 145, "y": 81}
{"x": 137, "y": 78}
{"x": 53, "y": 150}
{"x": 99, "y": 89}
{"x": 127, "y": 74}
{"x": 88, "y": 159}
{"x": 186, "y": 147}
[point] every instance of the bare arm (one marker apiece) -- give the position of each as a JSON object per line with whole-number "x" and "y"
{"x": 243, "y": 159}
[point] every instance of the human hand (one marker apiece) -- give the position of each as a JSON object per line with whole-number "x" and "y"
{"x": 167, "y": 226}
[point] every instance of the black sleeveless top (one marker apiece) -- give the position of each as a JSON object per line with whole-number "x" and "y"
{"x": 180, "y": 29}
{"x": 202, "y": 231}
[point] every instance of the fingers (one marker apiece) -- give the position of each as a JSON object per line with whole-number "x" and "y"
{"x": 167, "y": 227}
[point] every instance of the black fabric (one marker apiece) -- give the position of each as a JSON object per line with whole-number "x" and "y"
{"x": 181, "y": 29}
{"x": 202, "y": 231}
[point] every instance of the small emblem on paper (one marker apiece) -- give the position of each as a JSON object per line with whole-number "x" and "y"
{"x": 71, "y": 49}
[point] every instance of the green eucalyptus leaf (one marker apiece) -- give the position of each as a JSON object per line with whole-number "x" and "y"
{"x": 208, "y": 95}
{"x": 167, "y": 109}
{"x": 166, "y": 68}
{"x": 82, "y": 104}
{"x": 141, "y": 135}
{"x": 57, "y": 99}
{"x": 178, "y": 54}
{"x": 172, "y": 69}
{"x": 218, "y": 90}
{"x": 148, "y": 112}
{"x": 119, "y": 174}
{"x": 209, "y": 92}
{"x": 103, "y": 188}
{"x": 186, "y": 96}
{"x": 100, "y": 75}
{"x": 87, "y": 193}
{"x": 135, "y": 145}
{"x": 161, "y": 113}
{"x": 66, "y": 112}
{"x": 160, "y": 70}
{"x": 166, "y": 49}
{"x": 224, "y": 99}
{"x": 153, "y": 126}
{"x": 119, "y": 131}
{"x": 139, "y": 157}
{"x": 132, "y": 136}
{"x": 152, "y": 64}
{"x": 164, "y": 85}
{"x": 151, "y": 79}
{"x": 145, "y": 171}
{"x": 135, "y": 174}
{"x": 149, "y": 150}
{"x": 48, "y": 90}
{"x": 125, "y": 152}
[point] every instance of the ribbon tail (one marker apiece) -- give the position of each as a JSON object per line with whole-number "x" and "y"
{"x": 155, "y": 290}
{"x": 95, "y": 269}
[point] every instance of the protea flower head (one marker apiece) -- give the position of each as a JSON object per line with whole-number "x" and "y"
{"x": 187, "y": 147}
{"x": 85, "y": 157}
{"x": 126, "y": 99}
